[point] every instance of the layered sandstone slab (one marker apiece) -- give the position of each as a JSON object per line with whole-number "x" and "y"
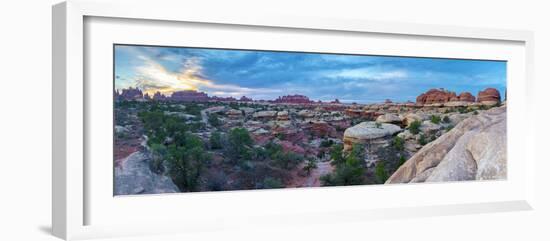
{"x": 475, "y": 149}
{"x": 389, "y": 118}
{"x": 367, "y": 132}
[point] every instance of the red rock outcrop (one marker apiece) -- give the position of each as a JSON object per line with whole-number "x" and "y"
{"x": 489, "y": 96}
{"x": 441, "y": 96}
{"x": 323, "y": 129}
{"x": 466, "y": 96}
{"x": 293, "y": 99}
{"x": 435, "y": 96}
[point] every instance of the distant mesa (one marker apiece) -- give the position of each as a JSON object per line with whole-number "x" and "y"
{"x": 246, "y": 99}
{"x": 222, "y": 99}
{"x": 189, "y": 95}
{"x": 293, "y": 99}
{"x": 159, "y": 96}
{"x": 129, "y": 94}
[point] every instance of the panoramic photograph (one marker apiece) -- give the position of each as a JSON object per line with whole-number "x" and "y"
{"x": 190, "y": 119}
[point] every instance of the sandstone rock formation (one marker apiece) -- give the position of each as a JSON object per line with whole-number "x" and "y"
{"x": 435, "y": 96}
{"x": 489, "y": 96}
{"x": 389, "y": 118}
{"x": 466, "y": 96}
{"x": 265, "y": 115}
{"x": 234, "y": 114}
{"x": 133, "y": 176}
{"x": 448, "y": 98}
{"x": 368, "y": 132}
{"x": 473, "y": 150}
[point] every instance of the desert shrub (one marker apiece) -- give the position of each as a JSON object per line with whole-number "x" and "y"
{"x": 449, "y": 127}
{"x": 326, "y": 143}
{"x": 193, "y": 109}
{"x": 287, "y": 160}
{"x": 380, "y": 172}
{"x": 159, "y": 153}
{"x": 216, "y": 140}
{"x": 422, "y": 140}
{"x": 446, "y": 119}
{"x": 402, "y": 160}
{"x": 214, "y": 120}
{"x": 273, "y": 148}
{"x": 186, "y": 163}
{"x": 414, "y": 127}
{"x": 310, "y": 165}
{"x": 435, "y": 119}
{"x": 378, "y": 124}
{"x": 239, "y": 144}
{"x": 398, "y": 143}
{"x": 336, "y": 154}
{"x": 216, "y": 181}
{"x": 476, "y": 112}
{"x": 270, "y": 182}
{"x": 350, "y": 171}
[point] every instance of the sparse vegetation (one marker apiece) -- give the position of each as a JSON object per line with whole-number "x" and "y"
{"x": 214, "y": 120}
{"x": 216, "y": 140}
{"x": 435, "y": 119}
{"x": 350, "y": 171}
{"x": 398, "y": 143}
{"x": 414, "y": 127}
{"x": 380, "y": 172}
{"x": 422, "y": 140}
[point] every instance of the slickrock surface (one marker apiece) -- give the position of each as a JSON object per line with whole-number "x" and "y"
{"x": 133, "y": 176}
{"x": 474, "y": 150}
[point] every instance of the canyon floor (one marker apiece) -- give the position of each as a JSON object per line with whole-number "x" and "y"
{"x": 250, "y": 145}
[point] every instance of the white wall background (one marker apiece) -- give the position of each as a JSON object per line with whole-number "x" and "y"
{"x": 25, "y": 120}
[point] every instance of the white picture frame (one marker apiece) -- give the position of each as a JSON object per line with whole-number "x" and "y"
{"x": 73, "y": 191}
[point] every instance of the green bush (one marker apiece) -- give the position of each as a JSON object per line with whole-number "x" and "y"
{"x": 380, "y": 172}
{"x": 270, "y": 183}
{"x": 287, "y": 160}
{"x": 310, "y": 165}
{"x": 414, "y": 127}
{"x": 402, "y": 160}
{"x": 398, "y": 143}
{"x": 351, "y": 171}
{"x": 336, "y": 154}
{"x": 422, "y": 140}
{"x": 159, "y": 153}
{"x": 186, "y": 163}
{"x": 239, "y": 144}
{"x": 446, "y": 119}
{"x": 326, "y": 143}
{"x": 435, "y": 119}
{"x": 216, "y": 140}
{"x": 214, "y": 120}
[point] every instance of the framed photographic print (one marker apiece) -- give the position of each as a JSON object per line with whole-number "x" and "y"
{"x": 203, "y": 122}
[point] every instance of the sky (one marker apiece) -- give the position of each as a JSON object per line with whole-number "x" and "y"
{"x": 269, "y": 74}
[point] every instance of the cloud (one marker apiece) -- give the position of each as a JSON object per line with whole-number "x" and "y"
{"x": 369, "y": 73}
{"x": 268, "y": 74}
{"x": 152, "y": 76}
